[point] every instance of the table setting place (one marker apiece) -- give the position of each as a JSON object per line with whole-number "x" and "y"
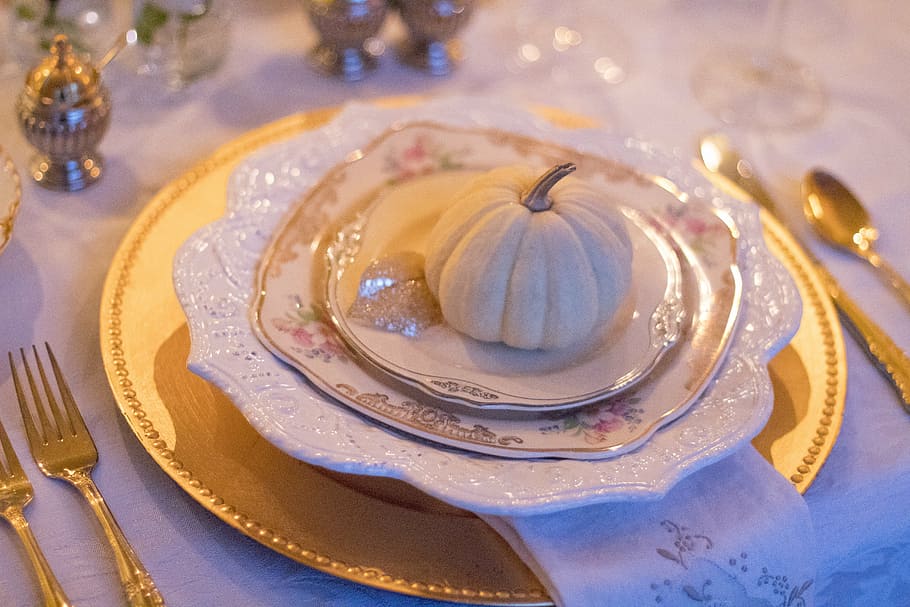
{"x": 439, "y": 302}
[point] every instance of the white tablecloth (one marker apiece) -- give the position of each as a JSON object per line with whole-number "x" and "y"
{"x": 51, "y": 275}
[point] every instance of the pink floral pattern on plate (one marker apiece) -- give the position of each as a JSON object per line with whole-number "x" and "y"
{"x": 311, "y": 336}
{"x": 423, "y": 155}
{"x": 599, "y": 423}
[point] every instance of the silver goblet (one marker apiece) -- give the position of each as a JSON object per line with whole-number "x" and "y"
{"x": 347, "y": 46}
{"x": 432, "y": 25}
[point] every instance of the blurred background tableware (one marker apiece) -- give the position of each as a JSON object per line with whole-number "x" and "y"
{"x": 555, "y": 38}
{"x": 759, "y": 86}
{"x": 432, "y": 26}
{"x": 64, "y": 111}
{"x": 181, "y": 40}
{"x": 10, "y": 197}
{"x": 348, "y": 44}
{"x": 840, "y": 218}
{"x": 7, "y": 63}
{"x": 33, "y": 24}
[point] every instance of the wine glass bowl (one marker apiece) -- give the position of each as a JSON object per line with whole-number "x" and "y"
{"x": 759, "y": 86}
{"x": 563, "y": 42}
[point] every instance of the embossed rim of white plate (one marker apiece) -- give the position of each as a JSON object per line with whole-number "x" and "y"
{"x": 213, "y": 278}
{"x": 524, "y": 395}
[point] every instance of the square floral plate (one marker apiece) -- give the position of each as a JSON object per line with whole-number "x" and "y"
{"x": 288, "y": 320}
{"x": 215, "y": 274}
{"x": 381, "y": 326}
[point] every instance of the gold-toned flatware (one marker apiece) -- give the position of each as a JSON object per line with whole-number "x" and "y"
{"x": 15, "y": 494}
{"x": 62, "y": 447}
{"x": 839, "y": 217}
{"x": 124, "y": 39}
{"x": 726, "y": 168}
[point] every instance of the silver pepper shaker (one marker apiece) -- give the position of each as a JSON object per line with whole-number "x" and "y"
{"x": 64, "y": 111}
{"x": 347, "y": 46}
{"x": 432, "y": 26}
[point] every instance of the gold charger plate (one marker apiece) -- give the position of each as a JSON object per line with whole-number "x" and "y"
{"x": 375, "y": 531}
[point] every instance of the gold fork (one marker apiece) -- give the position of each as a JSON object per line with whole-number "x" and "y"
{"x": 15, "y": 493}
{"x": 63, "y": 449}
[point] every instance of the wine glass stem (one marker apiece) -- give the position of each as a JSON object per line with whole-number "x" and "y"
{"x": 773, "y": 33}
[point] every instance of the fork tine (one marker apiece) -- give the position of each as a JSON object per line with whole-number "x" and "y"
{"x": 44, "y": 421}
{"x": 12, "y": 468}
{"x": 62, "y": 425}
{"x": 74, "y": 416}
{"x": 30, "y": 430}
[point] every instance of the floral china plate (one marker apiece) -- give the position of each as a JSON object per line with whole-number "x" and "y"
{"x": 215, "y": 277}
{"x": 292, "y": 271}
{"x": 451, "y": 365}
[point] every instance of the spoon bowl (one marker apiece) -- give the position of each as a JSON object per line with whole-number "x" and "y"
{"x": 840, "y": 218}
{"x": 836, "y": 214}
{"x": 719, "y": 157}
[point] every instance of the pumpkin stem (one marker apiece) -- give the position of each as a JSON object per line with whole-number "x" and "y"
{"x": 538, "y": 197}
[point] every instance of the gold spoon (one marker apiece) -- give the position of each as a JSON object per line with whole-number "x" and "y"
{"x": 733, "y": 174}
{"x": 840, "y": 218}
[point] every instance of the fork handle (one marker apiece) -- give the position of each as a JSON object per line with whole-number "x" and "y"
{"x": 50, "y": 587}
{"x": 137, "y": 583}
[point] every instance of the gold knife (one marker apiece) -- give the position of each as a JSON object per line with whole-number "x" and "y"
{"x": 733, "y": 175}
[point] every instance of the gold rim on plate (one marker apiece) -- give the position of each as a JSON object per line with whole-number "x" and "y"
{"x": 10, "y": 197}
{"x": 195, "y": 434}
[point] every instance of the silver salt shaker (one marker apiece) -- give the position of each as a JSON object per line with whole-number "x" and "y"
{"x": 64, "y": 110}
{"x": 348, "y": 46}
{"x": 432, "y": 26}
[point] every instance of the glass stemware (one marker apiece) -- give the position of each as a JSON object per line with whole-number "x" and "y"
{"x": 560, "y": 54}
{"x": 760, "y": 87}
{"x": 34, "y": 23}
{"x": 181, "y": 40}
{"x": 562, "y": 40}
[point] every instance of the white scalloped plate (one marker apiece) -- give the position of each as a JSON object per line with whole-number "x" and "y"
{"x": 452, "y": 366}
{"x": 215, "y": 276}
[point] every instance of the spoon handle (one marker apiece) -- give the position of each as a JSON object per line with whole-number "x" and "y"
{"x": 879, "y": 347}
{"x": 890, "y": 276}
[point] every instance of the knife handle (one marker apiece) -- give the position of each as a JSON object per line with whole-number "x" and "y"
{"x": 881, "y": 349}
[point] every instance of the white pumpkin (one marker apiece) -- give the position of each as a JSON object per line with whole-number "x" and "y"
{"x": 532, "y": 261}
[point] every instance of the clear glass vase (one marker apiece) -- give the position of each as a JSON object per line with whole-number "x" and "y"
{"x": 181, "y": 40}
{"x": 33, "y": 24}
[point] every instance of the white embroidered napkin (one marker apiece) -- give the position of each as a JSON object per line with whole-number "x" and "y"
{"x": 733, "y": 534}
